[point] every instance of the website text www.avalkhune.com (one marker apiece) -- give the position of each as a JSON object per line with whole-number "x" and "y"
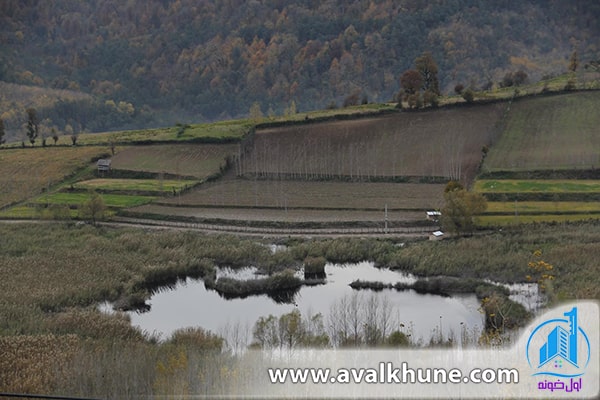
{"x": 386, "y": 373}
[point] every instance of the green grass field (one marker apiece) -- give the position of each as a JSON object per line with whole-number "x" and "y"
{"x": 554, "y": 132}
{"x": 232, "y": 130}
{"x": 549, "y": 207}
{"x": 525, "y": 186}
{"x": 502, "y": 220}
{"x": 76, "y": 199}
{"x": 555, "y": 84}
{"x": 164, "y": 186}
{"x": 516, "y": 212}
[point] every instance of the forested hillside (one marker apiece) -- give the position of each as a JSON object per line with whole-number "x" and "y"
{"x": 149, "y": 62}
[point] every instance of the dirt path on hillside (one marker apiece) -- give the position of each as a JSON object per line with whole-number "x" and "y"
{"x": 404, "y": 232}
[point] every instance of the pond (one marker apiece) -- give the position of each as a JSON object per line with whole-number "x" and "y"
{"x": 420, "y": 315}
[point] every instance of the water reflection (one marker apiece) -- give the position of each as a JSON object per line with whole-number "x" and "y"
{"x": 527, "y": 294}
{"x": 421, "y": 315}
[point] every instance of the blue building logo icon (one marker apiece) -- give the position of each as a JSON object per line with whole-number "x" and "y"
{"x": 561, "y": 346}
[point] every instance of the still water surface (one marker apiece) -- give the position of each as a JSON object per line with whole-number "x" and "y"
{"x": 190, "y": 304}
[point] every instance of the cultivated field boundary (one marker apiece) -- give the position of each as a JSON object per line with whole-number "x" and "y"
{"x": 390, "y": 233}
{"x": 275, "y": 232}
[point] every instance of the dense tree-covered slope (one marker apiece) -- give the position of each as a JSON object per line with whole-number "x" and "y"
{"x": 158, "y": 61}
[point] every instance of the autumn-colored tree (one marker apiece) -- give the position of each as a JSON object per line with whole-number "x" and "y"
{"x": 289, "y": 331}
{"x": 452, "y": 186}
{"x": 415, "y": 100}
{"x": 427, "y": 67}
{"x": 541, "y": 273}
{"x": 460, "y": 208}
{"x": 430, "y": 98}
{"x": 411, "y": 82}
{"x": 94, "y": 209}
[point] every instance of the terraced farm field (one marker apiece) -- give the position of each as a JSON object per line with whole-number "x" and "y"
{"x": 194, "y": 160}
{"x": 313, "y": 195}
{"x": 336, "y": 171}
{"x": 76, "y": 199}
{"x": 554, "y": 132}
{"x": 240, "y": 201}
{"x": 25, "y": 172}
{"x": 543, "y": 207}
{"x": 294, "y": 216}
{"x": 518, "y": 201}
{"x": 158, "y": 186}
{"x": 441, "y": 143}
{"x": 527, "y": 186}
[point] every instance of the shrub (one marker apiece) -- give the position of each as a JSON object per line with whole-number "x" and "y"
{"x": 93, "y": 210}
{"x": 196, "y": 338}
{"x": 501, "y": 313}
{"x": 314, "y": 266}
{"x": 430, "y": 98}
{"x": 60, "y": 212}
{"x": 281, "y": 281}
{"x": 397, "y": 339}
{"x": 468, "y": 95}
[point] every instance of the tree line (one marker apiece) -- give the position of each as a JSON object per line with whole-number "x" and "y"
{"x": 176, "y": 60}
{"x": 34, "y": 130}
{"x": 353, "y": 321}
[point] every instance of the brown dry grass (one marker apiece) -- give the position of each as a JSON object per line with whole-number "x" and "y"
{"x": 35, "y": 364}
{"x": 25, "y": 172}
{"x": 198, "y": 160}
{"x": 291, "y": 216}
